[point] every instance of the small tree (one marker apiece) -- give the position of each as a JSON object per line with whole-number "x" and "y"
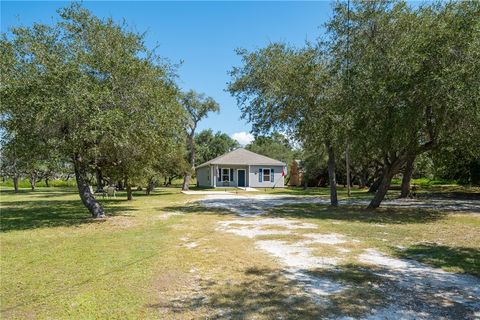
{"x": 197, "y": 107}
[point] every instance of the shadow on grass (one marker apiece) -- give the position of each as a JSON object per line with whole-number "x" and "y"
{"x": 24, "y": 215}
{"x": 453, "y": 195}
{"x": 50, "y": 192}
{"x": 271, "y": 294}
{"x": 456, "y": 259}
{"x": 349, "y": 213}
{"x": 264, "y": 292}
{"x": 320, "y": 212}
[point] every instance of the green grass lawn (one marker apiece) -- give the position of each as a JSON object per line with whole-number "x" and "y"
{"x": 57, "y": 263}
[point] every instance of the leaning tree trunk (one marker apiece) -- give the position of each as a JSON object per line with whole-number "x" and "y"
{"x": 15, "y": 183}
{"x": 387, "y": 175}
{"x": 47, "y": 182}
{"x": 407, "y": 178}
{"x": 86, "y": 195}
{"x": 376, "y": 183}
{"x": 331, "y": 175}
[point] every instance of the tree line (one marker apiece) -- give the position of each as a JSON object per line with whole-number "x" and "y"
{"x": 86, "y": 95}
{"x": 386, "y": 84}
{"x": 389, "y": 86}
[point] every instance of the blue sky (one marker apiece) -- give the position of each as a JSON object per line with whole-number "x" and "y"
{"x": 201, "y": 34}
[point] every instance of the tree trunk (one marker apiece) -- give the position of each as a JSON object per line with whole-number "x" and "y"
{"x": 169, "y": 183}
{"x": 388, "y": 173}
{"x": 191, "y": 145}
{"x": 331, "y": 175}
{"x": 120, "y": 185}
{"x": 15, "y": 183}
{"x": 150, "y": 187}
{"x": 347, "y": 164}
{"x": 129, "y": 190}
{"x": 99, "y": 178}
{"x": 47, "y": 182}
{"x": 33, "y": 180}
{"x": 407, "y": 178}
{"x": 186, "y": 182}
{"x": 363, "y": 178}
{"x": 376, "y": 183}
{"x": 88, "y": 199}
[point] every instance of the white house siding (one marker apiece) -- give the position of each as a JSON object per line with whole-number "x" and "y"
{"x": 203, "y": 177}
{"x": 278, "y": 181}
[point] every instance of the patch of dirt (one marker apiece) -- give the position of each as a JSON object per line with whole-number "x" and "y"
{"x": 297, "y": 257}
{"x": 447, "y": 286}
{"x": 167, "y": 215}
{"x": 122, "y": 221}
{"x": 410, "y": 289}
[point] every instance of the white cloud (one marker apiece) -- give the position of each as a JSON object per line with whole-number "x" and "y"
{"x": 242, "y": 137}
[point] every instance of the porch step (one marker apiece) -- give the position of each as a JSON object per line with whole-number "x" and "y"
{"x": 248, "y": 189}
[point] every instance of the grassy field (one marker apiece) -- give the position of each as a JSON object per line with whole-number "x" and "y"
{"x": 159, "y": 256}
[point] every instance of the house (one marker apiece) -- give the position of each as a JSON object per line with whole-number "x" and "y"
{"x": 241, "y": 168}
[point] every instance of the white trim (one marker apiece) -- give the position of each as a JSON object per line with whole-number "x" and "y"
{"x": 269, "y": 175}
{"x": 244, "y": 177}
{"x": 229, "y": 169}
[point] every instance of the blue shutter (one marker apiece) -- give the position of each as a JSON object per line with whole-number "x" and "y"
{"x": 231, "y": 174}
{"x": 260, "y": 175}
{"x": 271, "y": 175}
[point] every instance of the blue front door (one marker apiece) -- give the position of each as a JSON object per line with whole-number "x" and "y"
{"x": 241, "y": 178}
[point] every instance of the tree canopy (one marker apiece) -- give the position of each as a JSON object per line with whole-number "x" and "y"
{"x": 91, "y": 90}
{"x": 209, "y": 145}
{"x": 388, "y": 81}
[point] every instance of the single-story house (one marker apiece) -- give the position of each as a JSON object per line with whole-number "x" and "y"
{"x": 241, "y": 168}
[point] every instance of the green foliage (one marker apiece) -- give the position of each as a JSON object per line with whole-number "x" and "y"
{"x": 390, "y": 82}
{"x": 197, "y": 107}
{"x": 400, "y": 63}
{"x": 91, "y": 91}
{"x": 209, "y": 146}
{"x": 275, "y": 146}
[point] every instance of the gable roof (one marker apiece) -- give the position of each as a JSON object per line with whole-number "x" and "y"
{"x": 241, "y": 156}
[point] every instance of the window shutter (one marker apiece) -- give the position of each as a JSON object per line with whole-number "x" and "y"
{"x": 231, "y": 174}
{"x": 219, "y": 174}
{"x": 260, "y": 175}
{"x": 271, "y": 175}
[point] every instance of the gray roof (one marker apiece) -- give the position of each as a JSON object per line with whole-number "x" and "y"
{"x": 241, "y": 156}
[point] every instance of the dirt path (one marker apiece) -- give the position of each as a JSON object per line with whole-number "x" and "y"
{"x": 408, "y": 289}
{"x": 256, "y": 204}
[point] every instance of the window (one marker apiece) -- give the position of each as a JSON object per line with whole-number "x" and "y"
{"x": 225, "y": 174}
{"x": 266, "y": 174}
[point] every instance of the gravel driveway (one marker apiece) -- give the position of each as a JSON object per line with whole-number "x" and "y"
{"x": 409, "y": 289}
